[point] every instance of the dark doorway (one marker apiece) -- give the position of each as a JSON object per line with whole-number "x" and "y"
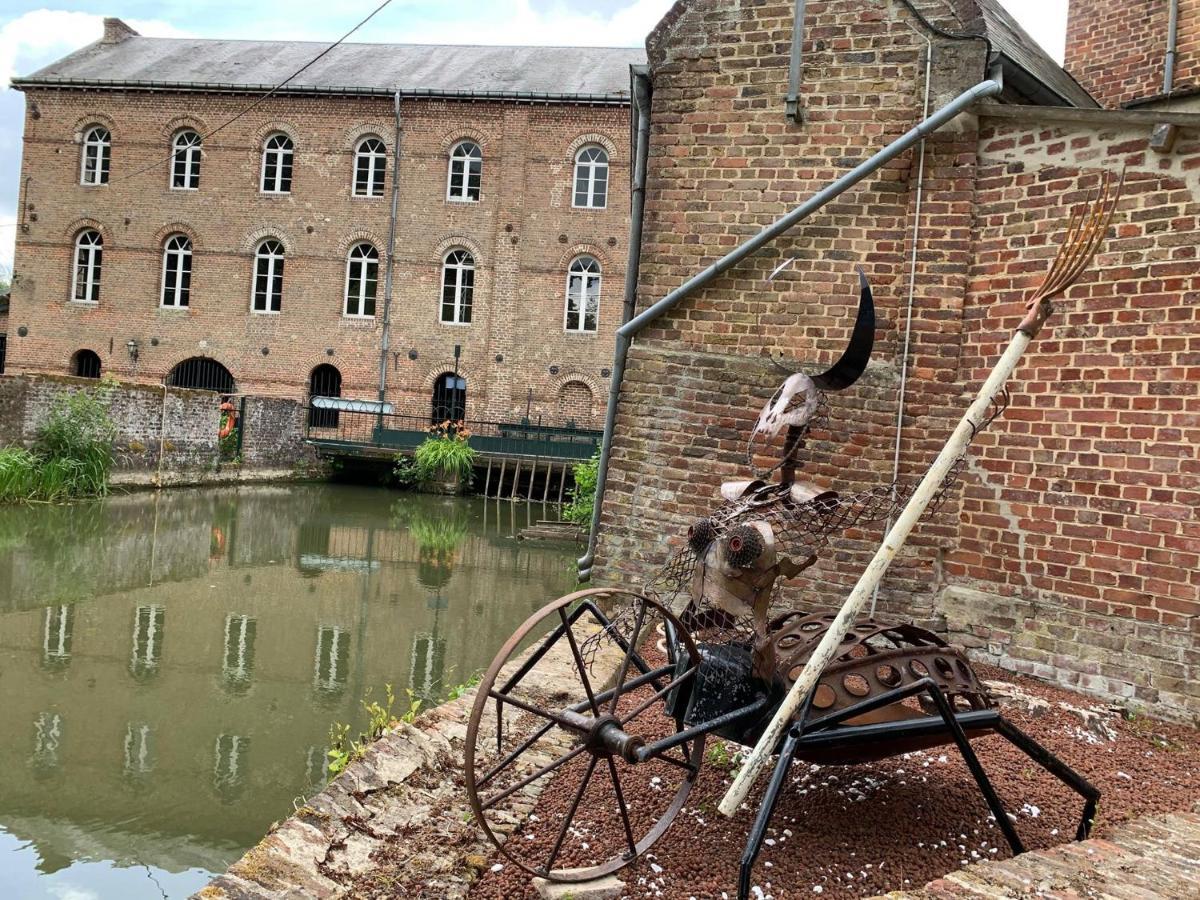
{"x": 449, "y": 398}
{"x": 325, "y": 381}
{"x": 201, "y": 374}
{"x": 85, "y": 364}
{"x": 3, "y": 350}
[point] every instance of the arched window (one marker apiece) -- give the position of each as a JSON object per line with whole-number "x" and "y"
{"x": 97, "y": 156}
{"x": 201, "y": 374}
{"x": 268, "y": 277}
{"x": 362, "y": 280}
{"x": 277, "y": 164}
{"x": 458, "y": 287}
{"x": 177, "y": 271}
{"x": 89, "y": 252}
{"x": 583, "y": 295}
{"x": 449, "y": 398}
{"x": 591, "y": 178}
{"x": 85, "y": 364}
{"x": 370, "y": 164}
{"x": 324, "y": 381}
{"x": 466, "y": 170}
{"x": 185, "y": 166}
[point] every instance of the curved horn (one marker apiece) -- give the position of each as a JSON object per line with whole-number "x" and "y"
{"x": 854, "y": 361}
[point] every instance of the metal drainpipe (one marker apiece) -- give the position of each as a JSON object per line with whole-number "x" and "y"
{"x": 626, "y": 332}
{"x": 1169, "y": 61}
{"x": 641, "y": 99}
{"x": 384, "y": 341}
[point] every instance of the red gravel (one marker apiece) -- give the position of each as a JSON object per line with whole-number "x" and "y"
{"x": 860, "y": 830}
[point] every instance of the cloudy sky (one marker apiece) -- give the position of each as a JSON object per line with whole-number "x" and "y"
{"x": 32, "y": 35}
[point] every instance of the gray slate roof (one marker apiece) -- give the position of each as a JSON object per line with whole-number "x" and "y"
{"x": 1014, "y": 42}
{"x": 596, "y": 74}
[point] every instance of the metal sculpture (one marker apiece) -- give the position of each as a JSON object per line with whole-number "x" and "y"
{"x": 698, "y": 653}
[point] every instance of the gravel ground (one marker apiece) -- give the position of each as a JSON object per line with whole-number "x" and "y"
{"x": 853, "y": 831}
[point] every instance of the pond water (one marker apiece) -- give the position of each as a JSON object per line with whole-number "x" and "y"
{"x": 170, "y": 663}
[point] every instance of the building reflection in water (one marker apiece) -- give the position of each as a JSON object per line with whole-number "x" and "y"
{"x": 310, "y": 592}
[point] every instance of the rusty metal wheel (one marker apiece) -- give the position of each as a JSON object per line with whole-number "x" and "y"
{"x": 573, "y": 710}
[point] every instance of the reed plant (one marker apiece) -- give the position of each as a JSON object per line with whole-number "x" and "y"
{"x": 445, "y": 454}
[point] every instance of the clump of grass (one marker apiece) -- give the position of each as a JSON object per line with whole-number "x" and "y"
{"x": 445, "y": 454}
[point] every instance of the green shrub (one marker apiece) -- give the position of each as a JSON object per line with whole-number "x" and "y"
{"x": 445, "y": 454}
{"x": 583, "y": 493}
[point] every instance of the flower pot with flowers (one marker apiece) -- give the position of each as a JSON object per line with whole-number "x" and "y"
{"x": 445, "y": 461}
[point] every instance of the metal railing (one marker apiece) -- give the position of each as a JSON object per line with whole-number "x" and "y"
{"x": 354, "y": 431}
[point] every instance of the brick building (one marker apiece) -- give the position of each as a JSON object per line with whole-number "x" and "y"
{"x": 1071, "y": 548}
{"x": 174, "y": 225}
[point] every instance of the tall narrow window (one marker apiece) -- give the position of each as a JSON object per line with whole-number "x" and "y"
{"x": 229, "y": 764}
{"x": 148, "y": 622}
{"x": 177, "y": 271}
{"x": 466, "y": 171}
{"x": 185, "y": 165}
{"x": 583, "y": 295}
{"x": 591, "y": 178}
{"x": 370, "y": 163}
{"x": 332, "y": 665}
{"x": 277, "y": 164}
{"x": 57, "y": 628}
{"x": 268, "y": 277}
{"x": 139, "y": 749}
{"x": 458, "y": 286}
{"x": 89, "y": 252}
{"x": 237, "y": 665}
{"x": 97, "y": 156}
{"x": 362, "y": 279}
{"x": 47, "y": 737}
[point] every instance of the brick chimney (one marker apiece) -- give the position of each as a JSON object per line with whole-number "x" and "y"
{"x": 116, "y": 31}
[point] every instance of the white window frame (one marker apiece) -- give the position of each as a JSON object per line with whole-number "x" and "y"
{"x": 462, "y": 158}
{"x": 150, "y": 659}
{"x": 367, "y": 259}
{"x": 238, "y": 631}
{"x": 279, "y": 154}
{"x": 186, "y": 152}
{"x": 275, "y": 268}
{"x": 97, "y": 140}
{"x": 593, "y": 167}
{"x": 581, "y": 268}
{"x": 329, "y": 650}
{"x": 463, "y": 261}
{"x": 93, "y": 250}
{"x": 57, "y": 630}
{"x": 376, "y": 160}
{"x": 177, "y": 297}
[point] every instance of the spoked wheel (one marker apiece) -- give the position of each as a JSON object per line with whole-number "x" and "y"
{"x": 575, "y": 704}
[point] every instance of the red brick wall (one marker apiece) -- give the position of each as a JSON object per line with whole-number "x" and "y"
{"x": 1116, "y": 48}
{"x": 523, "y": 234}
{"x": 1078, "y": 554}
{"x": 724, "y": 162}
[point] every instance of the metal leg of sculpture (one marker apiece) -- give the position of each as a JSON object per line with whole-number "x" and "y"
{"x": 758, "y": 831}
{"x": 1057, "y": 768}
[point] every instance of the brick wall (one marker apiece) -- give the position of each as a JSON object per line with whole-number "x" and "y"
{"x": 1078, "y": 556}
{"x": 523, "y": 234}
{"x": 1116, "y": 48}
{"x": 724, "y": 162}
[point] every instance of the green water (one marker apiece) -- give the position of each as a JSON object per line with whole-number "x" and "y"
{"x": 170, "y": 663}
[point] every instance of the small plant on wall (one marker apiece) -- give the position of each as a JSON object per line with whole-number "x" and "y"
{"x": 445, "y": 461}
{"x": 583, "y": 493}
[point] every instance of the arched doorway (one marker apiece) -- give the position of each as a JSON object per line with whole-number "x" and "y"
{"x": 85, "y": 364}
{"x": 449, "y": 398}
{"x": 201, "y": 374}
{"x": 575, "y": 405}
{"x": 324, "y": 381}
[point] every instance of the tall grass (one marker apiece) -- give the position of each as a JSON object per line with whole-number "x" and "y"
{"x": 71, "y": 457}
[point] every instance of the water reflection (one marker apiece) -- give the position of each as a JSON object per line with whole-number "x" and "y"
{"x": 177, "y": 659}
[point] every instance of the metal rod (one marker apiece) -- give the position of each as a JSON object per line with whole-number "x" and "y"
{"x": 1172, "y": 39}
{"x": 641, "y": 106}
{"x": 627, "y": 331}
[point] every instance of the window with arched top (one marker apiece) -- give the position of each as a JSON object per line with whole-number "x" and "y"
{"x": 583, "y": 295}
{"x": 362, "y": 281}
{"x": 185, "y": 161}
{"x": 89, "y": 254}
{"x": 177, "y": 271}
{"x": 458, "y": 287}
{"x": 466, "y": 172}
{"x": 278, "y": 152}
{"x": 370, "y": 165}
{"x": 201, "y": 373}
{"x": 591, "y": 178}
{"x": 324, "y": 381}
{"x": 97, "y": 156}
{"x": 85, "y": 364}
{"x": 267, "y": 295}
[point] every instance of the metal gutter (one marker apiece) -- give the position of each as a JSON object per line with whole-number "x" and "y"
{"x": 629, "y": 330}
{"x": 314, "y": 90}
{"x": 1172, "y": 41}
{"x": 641, "y": 110}
{"x": 792, "y": 108}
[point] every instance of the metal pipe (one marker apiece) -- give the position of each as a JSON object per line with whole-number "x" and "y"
{"x": 641, "y": 106}
{"x": 793, "y": 108}
{"x": 627, "y": 331}
{"x": 384, "y": 339}
{"x": 1172, "y": 39}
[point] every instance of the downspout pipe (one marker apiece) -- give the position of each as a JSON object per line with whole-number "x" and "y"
{"x": 384, "y": 339}
{"x": 1172, "y": 40}
{"x": 629, "y": 330}
{"x": 641, "y": 107}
